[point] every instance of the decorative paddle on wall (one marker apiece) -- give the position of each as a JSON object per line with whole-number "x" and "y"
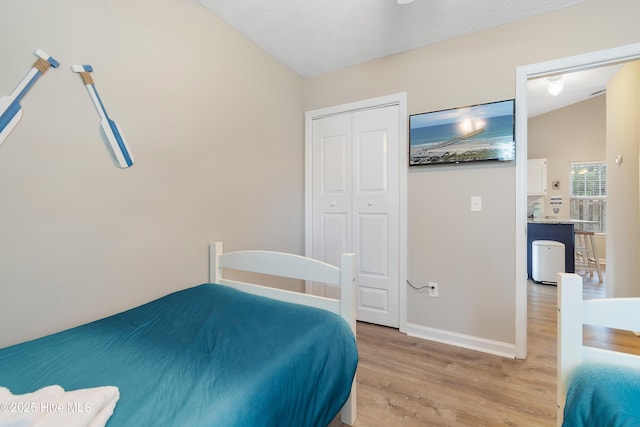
{"x": 10, "y": 108}
{"x": 109, "y": 130}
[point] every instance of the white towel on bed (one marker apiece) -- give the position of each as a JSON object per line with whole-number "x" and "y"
{"x": 52, "y": 407}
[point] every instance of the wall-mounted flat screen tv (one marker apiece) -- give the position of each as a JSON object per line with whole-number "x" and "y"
{"x": 460, "y": 135}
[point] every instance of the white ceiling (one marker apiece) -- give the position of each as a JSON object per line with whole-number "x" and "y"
{"x": 578, "y": 86}
{"x": 313, "y": 37}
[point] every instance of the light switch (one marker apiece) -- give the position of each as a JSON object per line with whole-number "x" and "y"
{"x": 476, "y": 203}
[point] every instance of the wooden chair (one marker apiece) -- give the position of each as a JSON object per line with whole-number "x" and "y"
{"x": 586, "y": 253}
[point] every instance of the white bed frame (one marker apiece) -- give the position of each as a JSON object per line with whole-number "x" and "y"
{"x": 573, "y": 313}
{"x": 294, "y": 267}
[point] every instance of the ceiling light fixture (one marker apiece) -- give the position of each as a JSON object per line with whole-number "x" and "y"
{"x": 405, "y": 1}
{"x": 555, "y": 86}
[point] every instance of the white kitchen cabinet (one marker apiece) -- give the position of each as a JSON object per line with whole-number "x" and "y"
{"x": 537, "y": 177}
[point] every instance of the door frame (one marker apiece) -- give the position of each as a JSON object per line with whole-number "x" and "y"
{"x": 573, "y": 63}
{"x": 399, "y": 99}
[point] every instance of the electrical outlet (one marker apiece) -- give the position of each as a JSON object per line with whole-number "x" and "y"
{"x": 433, "y": 289}
{"x": 476, "y": 203}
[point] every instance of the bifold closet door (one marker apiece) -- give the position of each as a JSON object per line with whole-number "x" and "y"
{"x": 355, "y": 184}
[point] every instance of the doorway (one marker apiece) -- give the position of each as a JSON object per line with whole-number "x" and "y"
{"x": 523, "y": 74}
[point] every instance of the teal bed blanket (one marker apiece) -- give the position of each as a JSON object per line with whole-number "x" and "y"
{"x": 603, "y": 395}
{"x": 205, "y": 356}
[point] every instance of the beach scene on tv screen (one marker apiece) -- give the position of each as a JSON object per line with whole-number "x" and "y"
{"x": 479, "y": 132}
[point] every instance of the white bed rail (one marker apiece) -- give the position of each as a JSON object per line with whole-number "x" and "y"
{"x": 573, "y": 313}
{"x": 293, "y": 267}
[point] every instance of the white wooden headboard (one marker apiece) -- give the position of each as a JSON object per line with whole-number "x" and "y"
{"x": 294, "y": 267}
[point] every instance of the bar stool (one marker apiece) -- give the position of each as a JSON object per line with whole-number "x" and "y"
{"x": 586, "y": 254}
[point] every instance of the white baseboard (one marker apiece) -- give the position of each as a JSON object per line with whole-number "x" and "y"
{"x": 484, "y": 345}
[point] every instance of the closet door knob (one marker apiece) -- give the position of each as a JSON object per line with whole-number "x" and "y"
{"x": 333, "y": 204}
{"x": 370, "y": 203}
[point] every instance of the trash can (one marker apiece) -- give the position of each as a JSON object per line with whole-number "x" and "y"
{"x": 547, "y": 260}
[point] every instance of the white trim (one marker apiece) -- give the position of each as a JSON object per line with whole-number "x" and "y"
{"x": 496, "y": 348}
{"x": 573, "y": 63}
{"x": 399, "y": 99}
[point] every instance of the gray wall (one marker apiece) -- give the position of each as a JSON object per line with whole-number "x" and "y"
{"x": 623, "y": 223}
{"x": 215, "y": 125}
{"x": 471, "y": 254}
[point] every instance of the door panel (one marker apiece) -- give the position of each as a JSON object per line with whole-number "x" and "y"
{"x": 333, "y": 151}
{"x": 355, "y": 203}
{"x": 334, "y": 236}
{"x": 372, "y": 164}
{"x": 373, "y": 300}
{"x": 373, "y": 245}
{"x": 331, "y": 201}
{"x": 376, "y": 213}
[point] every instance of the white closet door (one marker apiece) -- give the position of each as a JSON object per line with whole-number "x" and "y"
{"x": 355, "y": 203}
{"x": 376, "y": 213}
{"x": 331, "y": 187}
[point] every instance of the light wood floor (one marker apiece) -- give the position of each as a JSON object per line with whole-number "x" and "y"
{"x": 404, "y": 381}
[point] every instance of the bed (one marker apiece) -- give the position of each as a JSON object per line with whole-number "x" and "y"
{"x": 596, "y": 387}
{"x": 222, "y": 353}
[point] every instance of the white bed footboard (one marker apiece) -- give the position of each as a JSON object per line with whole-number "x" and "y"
{"x": 573, "y": 313}
{"x": 293, "y": 267}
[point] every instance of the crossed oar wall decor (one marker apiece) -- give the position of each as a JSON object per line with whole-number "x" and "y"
{"x": 11, "y": 110}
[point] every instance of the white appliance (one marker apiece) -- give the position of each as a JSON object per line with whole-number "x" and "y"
{"x": 547, "y": 260}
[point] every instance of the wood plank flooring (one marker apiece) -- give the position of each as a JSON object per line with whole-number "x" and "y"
{"x": 405, "y": 381}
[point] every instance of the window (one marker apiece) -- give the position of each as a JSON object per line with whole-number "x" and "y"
{"x": 588, "y": 195}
